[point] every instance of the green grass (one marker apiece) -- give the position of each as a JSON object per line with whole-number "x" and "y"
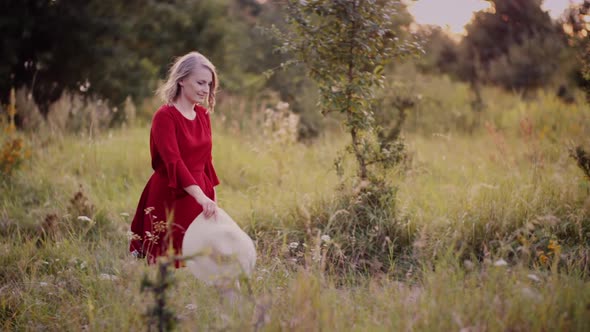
{"x": 466, "y": 202}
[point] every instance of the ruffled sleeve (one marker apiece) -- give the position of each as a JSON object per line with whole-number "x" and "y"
{"x": 210, "y": 172}
{"x": 209, "y": 169}
{"x": 164, "y": 138}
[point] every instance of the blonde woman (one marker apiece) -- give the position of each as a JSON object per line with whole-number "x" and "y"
{"x": 182, "y": 185}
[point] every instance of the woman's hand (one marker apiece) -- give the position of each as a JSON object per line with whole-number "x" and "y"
{"x": 209, "y": 206}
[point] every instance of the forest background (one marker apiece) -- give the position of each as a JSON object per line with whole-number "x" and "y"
{"x": 474, "y": 212}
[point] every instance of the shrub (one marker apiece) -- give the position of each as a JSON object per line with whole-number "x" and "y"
{"x": 356, "y": 233}
{"x": 13, "y": 151}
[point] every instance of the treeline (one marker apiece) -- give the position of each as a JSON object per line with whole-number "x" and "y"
{"x": 515, "y": 45}
{"x": 114, "y": 49}
{"x": 111, "y": 49}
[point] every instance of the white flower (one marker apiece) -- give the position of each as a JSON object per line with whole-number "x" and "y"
{"x": 293, "y": 245}
{"x": 282, "y": 105}
{"x": 531, "y": 294}
{"x": 191, "y": 306}
{"x": 500, "y": 262}
{"x": 105, "y": 276}
{"x": 43, "y": 284}
{"x": 316, "y": 255}
{"x": 84, "y": 218}
{"x": 534, "y": 277}
{"x": 325, "y": 238}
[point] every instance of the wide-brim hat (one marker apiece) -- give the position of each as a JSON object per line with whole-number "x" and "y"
{"x": 218, "y": 249}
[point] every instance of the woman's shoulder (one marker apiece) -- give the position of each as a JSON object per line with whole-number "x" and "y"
{"x": 165, "y": 111}
{"x": 202, "y": 109}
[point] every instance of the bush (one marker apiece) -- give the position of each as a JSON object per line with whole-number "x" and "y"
{"x": 357, "y": 232}
{"x": 13, "y": 151}
{"x": 12, "y": 155}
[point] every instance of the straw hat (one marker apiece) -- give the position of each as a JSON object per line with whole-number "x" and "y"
{"x": 218, "y": 249}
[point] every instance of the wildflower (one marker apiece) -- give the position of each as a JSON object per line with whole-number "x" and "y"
{"x": 542, "y": 257}
{"x": 137, "y": 254}
{"x": 160, "y": 226}
{"x": 151, "y": 237}
{"x": 105, "y": 276}
{"x": 531, "y": 294}
{"x": 316, "y": 255}
{"x": 191, "y": 306}
{"x": 325, "y": 238}
{"x": 132, "y": 236}
{"x": 281, "y": 105}
{"x": 523, "y": 240}
{"x": 84, "y": 218}
{"x": 534, "y": 277}
{"x": 293, "y": 245}
{"x": 553, "y": 246}
{"x": 500, "y": 262}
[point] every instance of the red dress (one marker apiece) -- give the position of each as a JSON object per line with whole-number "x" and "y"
{"x": 181, "y": 156}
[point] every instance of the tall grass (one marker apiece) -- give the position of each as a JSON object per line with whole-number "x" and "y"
{"x": 477, "y": 213}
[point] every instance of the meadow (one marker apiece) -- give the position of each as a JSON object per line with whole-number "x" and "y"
{"x": 492, "y": 215}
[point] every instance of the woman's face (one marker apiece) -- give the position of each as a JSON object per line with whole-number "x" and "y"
{"x": 195, "y": 87}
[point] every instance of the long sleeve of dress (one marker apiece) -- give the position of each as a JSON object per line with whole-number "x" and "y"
{"x": 210, "y": 171}
{"x": 164, "y": 135}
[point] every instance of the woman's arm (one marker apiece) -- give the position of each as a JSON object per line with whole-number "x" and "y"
{"x": 164, "y": 134}
{"x": 164, "y": 137}
{"x": 209, "y": 206}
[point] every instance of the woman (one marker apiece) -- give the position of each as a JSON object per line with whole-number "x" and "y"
{"x": 182, "y": 185}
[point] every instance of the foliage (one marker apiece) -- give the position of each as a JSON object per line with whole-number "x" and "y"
{"x": 440, "y": 51}
{"x": 345, "y": 46}
{"x": 582, "y": 157}
{"x": 514, "y": 45}
{"x": 362, "y": 234}
{"x": 473, "y": 213}
{"x": 160, "y": 315}
{"x": 94, "y": 47}
{"x": 13, "y": 151}
{"x": 517, "y": 38}
{"x": 576, "y": 27}
{"x": 12, "y": 154}
{"x": 256, "y": 67}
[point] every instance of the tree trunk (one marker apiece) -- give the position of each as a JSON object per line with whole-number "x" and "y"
{"x": 363, "y": 174}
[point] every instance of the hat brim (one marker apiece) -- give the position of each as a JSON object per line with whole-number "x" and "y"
{"x": 217, "y": 248}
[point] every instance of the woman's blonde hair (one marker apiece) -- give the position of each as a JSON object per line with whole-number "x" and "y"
{"x": 182, "y": 68}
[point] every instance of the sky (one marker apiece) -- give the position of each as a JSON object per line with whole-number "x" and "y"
{"x": 439, "y": 12}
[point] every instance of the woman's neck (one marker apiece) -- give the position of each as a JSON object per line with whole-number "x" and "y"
{"x": 184, "y": 106}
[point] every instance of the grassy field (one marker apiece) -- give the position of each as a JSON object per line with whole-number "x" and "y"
{"x": 496, "y": 228}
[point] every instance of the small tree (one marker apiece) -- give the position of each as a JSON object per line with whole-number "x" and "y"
{"x": 578, "y": 32}
{"x": 345, "y": 45}
{"x": 515, "y": 45}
